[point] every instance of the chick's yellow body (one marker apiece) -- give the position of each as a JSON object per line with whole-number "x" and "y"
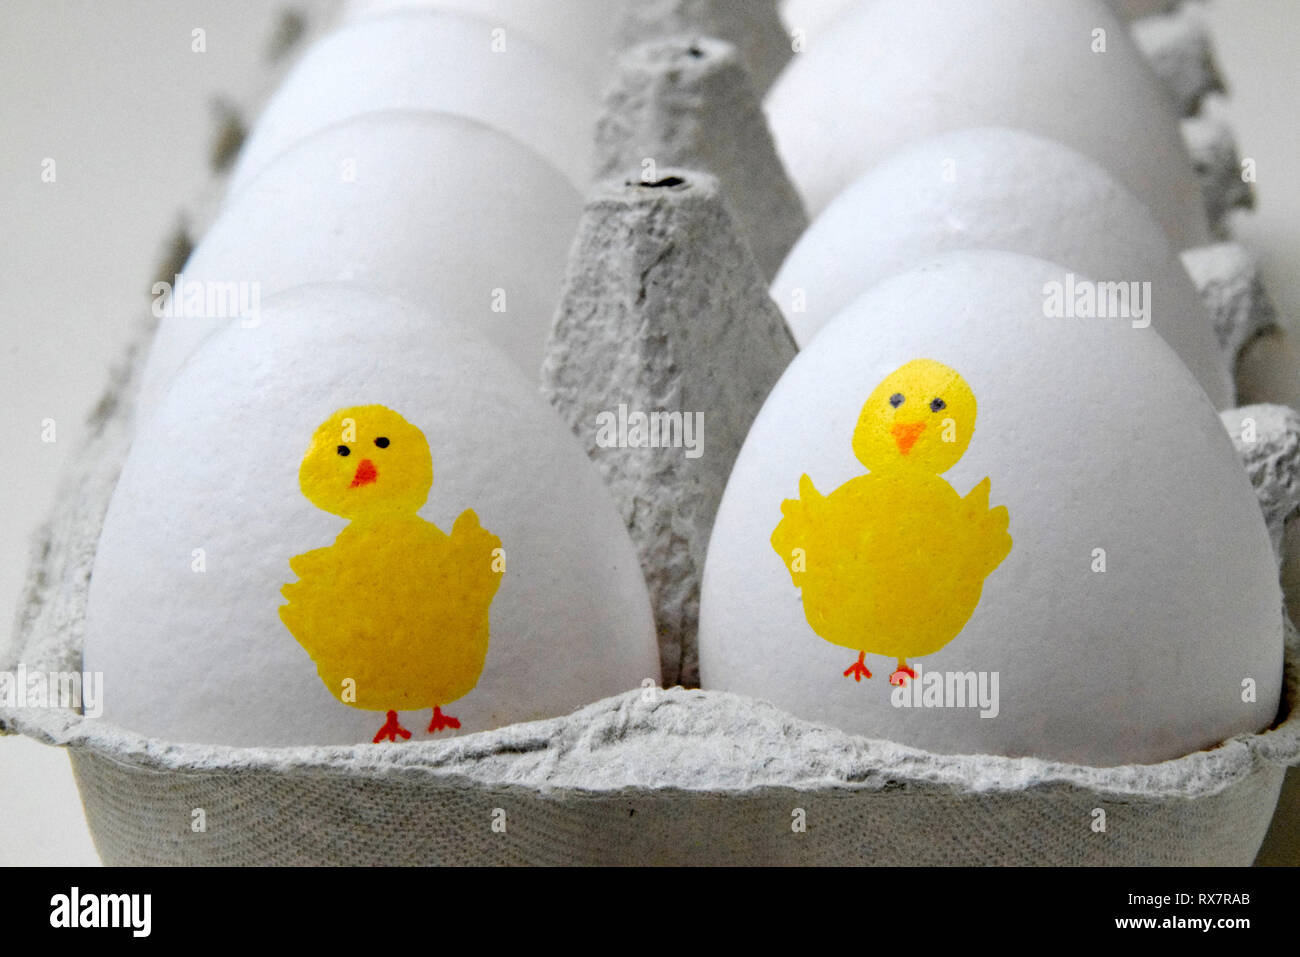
{"x": 395, "y": 613}
{"x": 399, "y": 607}
{"x": 891, "y": 564}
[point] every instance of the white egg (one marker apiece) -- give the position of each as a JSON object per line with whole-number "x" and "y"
{"x": 1054, "y": 528}
{"x": 994, "y": 188}
{"x": 427, "y": 61}
{"x": 184, "y": 614}
{"x": 811, "y": 17}
{"x": 434, "y": 207}
{"x": 581, "y": 35}
{"x": 892, "y": 71}
{"x": 1135, "y": 9}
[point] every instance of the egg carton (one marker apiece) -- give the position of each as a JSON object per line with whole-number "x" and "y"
{"x": 652, "y": 776}
{"x": 679, "y": 775}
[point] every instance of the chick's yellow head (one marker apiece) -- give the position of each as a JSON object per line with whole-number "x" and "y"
{"x": 367, "y": 461}
{"x": 921, "y": 416}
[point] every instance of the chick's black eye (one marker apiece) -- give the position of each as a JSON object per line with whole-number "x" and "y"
{"x": 344, "y": 450}
{"x": 382, "y": 442}
{"x": 938, "y": 405}
{"x": 896, "y": 399}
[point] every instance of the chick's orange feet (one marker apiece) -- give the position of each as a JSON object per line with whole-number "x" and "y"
{"x": 441, "y": 721}
{"x": 858, "y": 670}
{"x": 900, "y": 676}
{"x": 392, "y": 729}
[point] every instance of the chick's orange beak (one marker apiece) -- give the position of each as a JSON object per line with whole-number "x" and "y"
{"x": 904, "y": 435}
{"x": 365, "y": 474}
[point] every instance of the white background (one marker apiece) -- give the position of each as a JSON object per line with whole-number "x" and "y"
{"x": 113, "y": 93}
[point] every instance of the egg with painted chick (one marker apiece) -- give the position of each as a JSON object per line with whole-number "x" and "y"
{"x": 888, "y": 72}
{"x": 966, "y": 523}
{"x": 356, "y": 521}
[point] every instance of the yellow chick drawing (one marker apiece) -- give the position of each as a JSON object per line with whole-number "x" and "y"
{"x": 893, "y": 562}
{"x": 395, "y": 612}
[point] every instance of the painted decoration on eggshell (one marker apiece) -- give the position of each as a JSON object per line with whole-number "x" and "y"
{"x": 395, "y": 612}
{"x": 867, "y": 556}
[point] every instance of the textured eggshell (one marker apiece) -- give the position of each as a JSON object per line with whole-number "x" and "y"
{"x": 1094, "y": 436}
{"x": 431, "y": 206}
{"x": 581, "y": 35}
{"x": 994, "y": 188}
{"x": 429, "y": 61}
{"x": 203, "y": 656}
{"x": 892, "y": 71}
